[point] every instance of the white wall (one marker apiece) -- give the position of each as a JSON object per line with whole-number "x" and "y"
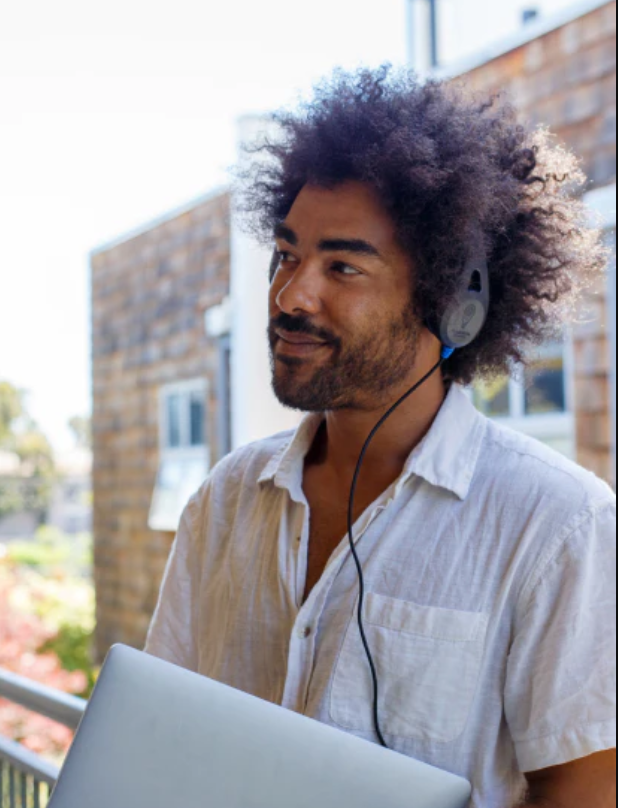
{"x": 256, "y": 413}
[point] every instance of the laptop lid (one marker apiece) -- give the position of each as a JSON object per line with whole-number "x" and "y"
{"x": 157, "y": 736}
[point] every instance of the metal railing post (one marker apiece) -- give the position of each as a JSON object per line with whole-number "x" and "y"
{"x": 23, "y": 774}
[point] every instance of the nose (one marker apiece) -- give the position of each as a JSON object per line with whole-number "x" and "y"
{"x": 300, "y": 292}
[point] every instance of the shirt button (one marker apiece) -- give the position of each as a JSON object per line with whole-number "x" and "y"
{"x": 305, "y": 633}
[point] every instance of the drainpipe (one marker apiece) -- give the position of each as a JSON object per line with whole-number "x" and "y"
{"x": 423, "y": 35}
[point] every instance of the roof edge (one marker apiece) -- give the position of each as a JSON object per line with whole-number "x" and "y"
{"x": 528, "y": 33}
{"x": 164, "y": 218}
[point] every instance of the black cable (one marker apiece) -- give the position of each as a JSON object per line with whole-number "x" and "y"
{"x": 359, "y": 567}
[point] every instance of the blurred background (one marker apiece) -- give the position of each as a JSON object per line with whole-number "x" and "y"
{"x": 133, "y": 310}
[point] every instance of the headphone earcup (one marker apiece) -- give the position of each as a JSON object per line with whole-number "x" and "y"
{"x": 463, "y": 321}
{"x": 466, "y": 315}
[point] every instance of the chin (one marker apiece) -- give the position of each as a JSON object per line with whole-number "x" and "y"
{"x": 295, "y": 399}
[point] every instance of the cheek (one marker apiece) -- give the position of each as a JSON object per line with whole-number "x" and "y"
{"x": 358, "y": 313}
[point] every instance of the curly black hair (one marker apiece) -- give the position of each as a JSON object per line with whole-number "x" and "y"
{"x": 444, "y": 162}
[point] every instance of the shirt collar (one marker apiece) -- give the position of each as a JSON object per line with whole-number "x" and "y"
{"x": 447, "y": 457}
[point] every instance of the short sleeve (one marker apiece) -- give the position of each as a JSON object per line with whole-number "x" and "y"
{"x": 173, "y": 631}
{"x": 560, "y": 696}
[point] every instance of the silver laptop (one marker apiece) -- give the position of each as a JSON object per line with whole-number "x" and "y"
{"x": 157, "y": 736}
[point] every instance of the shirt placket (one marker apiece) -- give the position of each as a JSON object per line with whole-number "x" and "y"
{"x": 304, "y": 639}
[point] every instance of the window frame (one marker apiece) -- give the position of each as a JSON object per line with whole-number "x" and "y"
{"x": 549, "y": 427}
{"x": 193, "y": 462}
{"x": 184, "y": 389}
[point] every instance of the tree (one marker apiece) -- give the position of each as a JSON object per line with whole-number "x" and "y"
{"x": 37, "y": 462}
{"x": 11, "y": 410}
{"x": 30, "y": 487}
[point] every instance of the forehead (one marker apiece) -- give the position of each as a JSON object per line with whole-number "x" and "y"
{"x": 352, "y": 210}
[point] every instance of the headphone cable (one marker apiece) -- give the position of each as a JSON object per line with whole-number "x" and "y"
{"x": 446, "y": 354}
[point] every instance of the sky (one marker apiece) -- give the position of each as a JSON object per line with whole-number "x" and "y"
{"x": 114, "y": 113}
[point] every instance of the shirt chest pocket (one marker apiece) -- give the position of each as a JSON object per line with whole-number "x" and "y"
{"x": 428, "y": 662}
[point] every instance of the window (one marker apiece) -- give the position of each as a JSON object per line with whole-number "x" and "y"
{"x": 184, "y": 416}
{"x": 197, "y": 415}
{"x": 545, "y": 383}
{"x": 538, "y": 400}
{"x": 173, "y": 406}
{"x": 184, "y": 452}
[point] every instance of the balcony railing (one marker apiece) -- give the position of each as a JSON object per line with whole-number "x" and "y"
{"x": 26, "y": 780}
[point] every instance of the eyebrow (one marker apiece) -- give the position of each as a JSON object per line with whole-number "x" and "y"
{"x": 356, "y": 246}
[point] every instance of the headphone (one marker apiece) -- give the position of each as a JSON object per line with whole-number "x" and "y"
{"x": 459, "y": 326}
{"x": 466, "y": 315}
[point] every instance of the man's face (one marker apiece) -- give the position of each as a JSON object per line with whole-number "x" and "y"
{"x": 343, "y": 284}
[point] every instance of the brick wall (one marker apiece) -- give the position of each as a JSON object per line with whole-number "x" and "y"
{"x": 567, "y": 81}
{"x": 148, "y": 299}
{"x": 592, "y": 386}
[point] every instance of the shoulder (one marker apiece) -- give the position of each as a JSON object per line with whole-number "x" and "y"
{"x": 243, "y": 467}
{"x": 544, "y": 504}
{"x": 540, "y": 492}
{"x": 234, "y": 477}
{"x": 525, "y": 465}
{"x": 252, "y": 460}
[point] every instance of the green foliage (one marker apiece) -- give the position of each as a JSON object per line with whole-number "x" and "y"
{"x": 72, "y": 646}
{"x": 53, "y": 553}
{"x": 46, "y": 623}
{"x": 11, "y": 410}
{"x": 11, "y": 495}
{"x": 52, "y": 583}
{"x": 30, "y": 489}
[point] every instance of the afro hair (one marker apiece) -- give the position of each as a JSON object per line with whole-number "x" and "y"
{"x": 445, "y": 163}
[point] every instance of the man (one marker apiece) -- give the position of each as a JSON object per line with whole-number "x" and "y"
{"x": 487, "y": 558}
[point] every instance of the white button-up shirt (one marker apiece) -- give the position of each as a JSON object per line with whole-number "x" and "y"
{"x": 490, "y": 568}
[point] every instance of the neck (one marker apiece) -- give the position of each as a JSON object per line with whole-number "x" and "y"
{"x": 341, "y": 441}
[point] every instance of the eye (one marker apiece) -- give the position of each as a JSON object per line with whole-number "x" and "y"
{"x": 344, "y": 269}
{"x": 338, "y": 267}
{"x": 285, "y": 257}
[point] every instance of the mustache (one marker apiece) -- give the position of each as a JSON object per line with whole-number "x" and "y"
{"x": 300, "y": 325}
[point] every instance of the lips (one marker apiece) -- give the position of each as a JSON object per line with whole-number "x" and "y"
{"x": 299, "y": 339}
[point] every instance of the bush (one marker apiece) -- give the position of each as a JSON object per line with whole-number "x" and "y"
{"x": 21, "y": 637}
{"x": 72, "y": 647}
{"x": 54, "y": 553}
{"x": 46, "y": 625}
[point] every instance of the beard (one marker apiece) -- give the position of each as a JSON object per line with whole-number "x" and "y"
{"x": 358, "y": 375}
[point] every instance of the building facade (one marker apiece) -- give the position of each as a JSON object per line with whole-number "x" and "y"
{"x": 157, "y": 388}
